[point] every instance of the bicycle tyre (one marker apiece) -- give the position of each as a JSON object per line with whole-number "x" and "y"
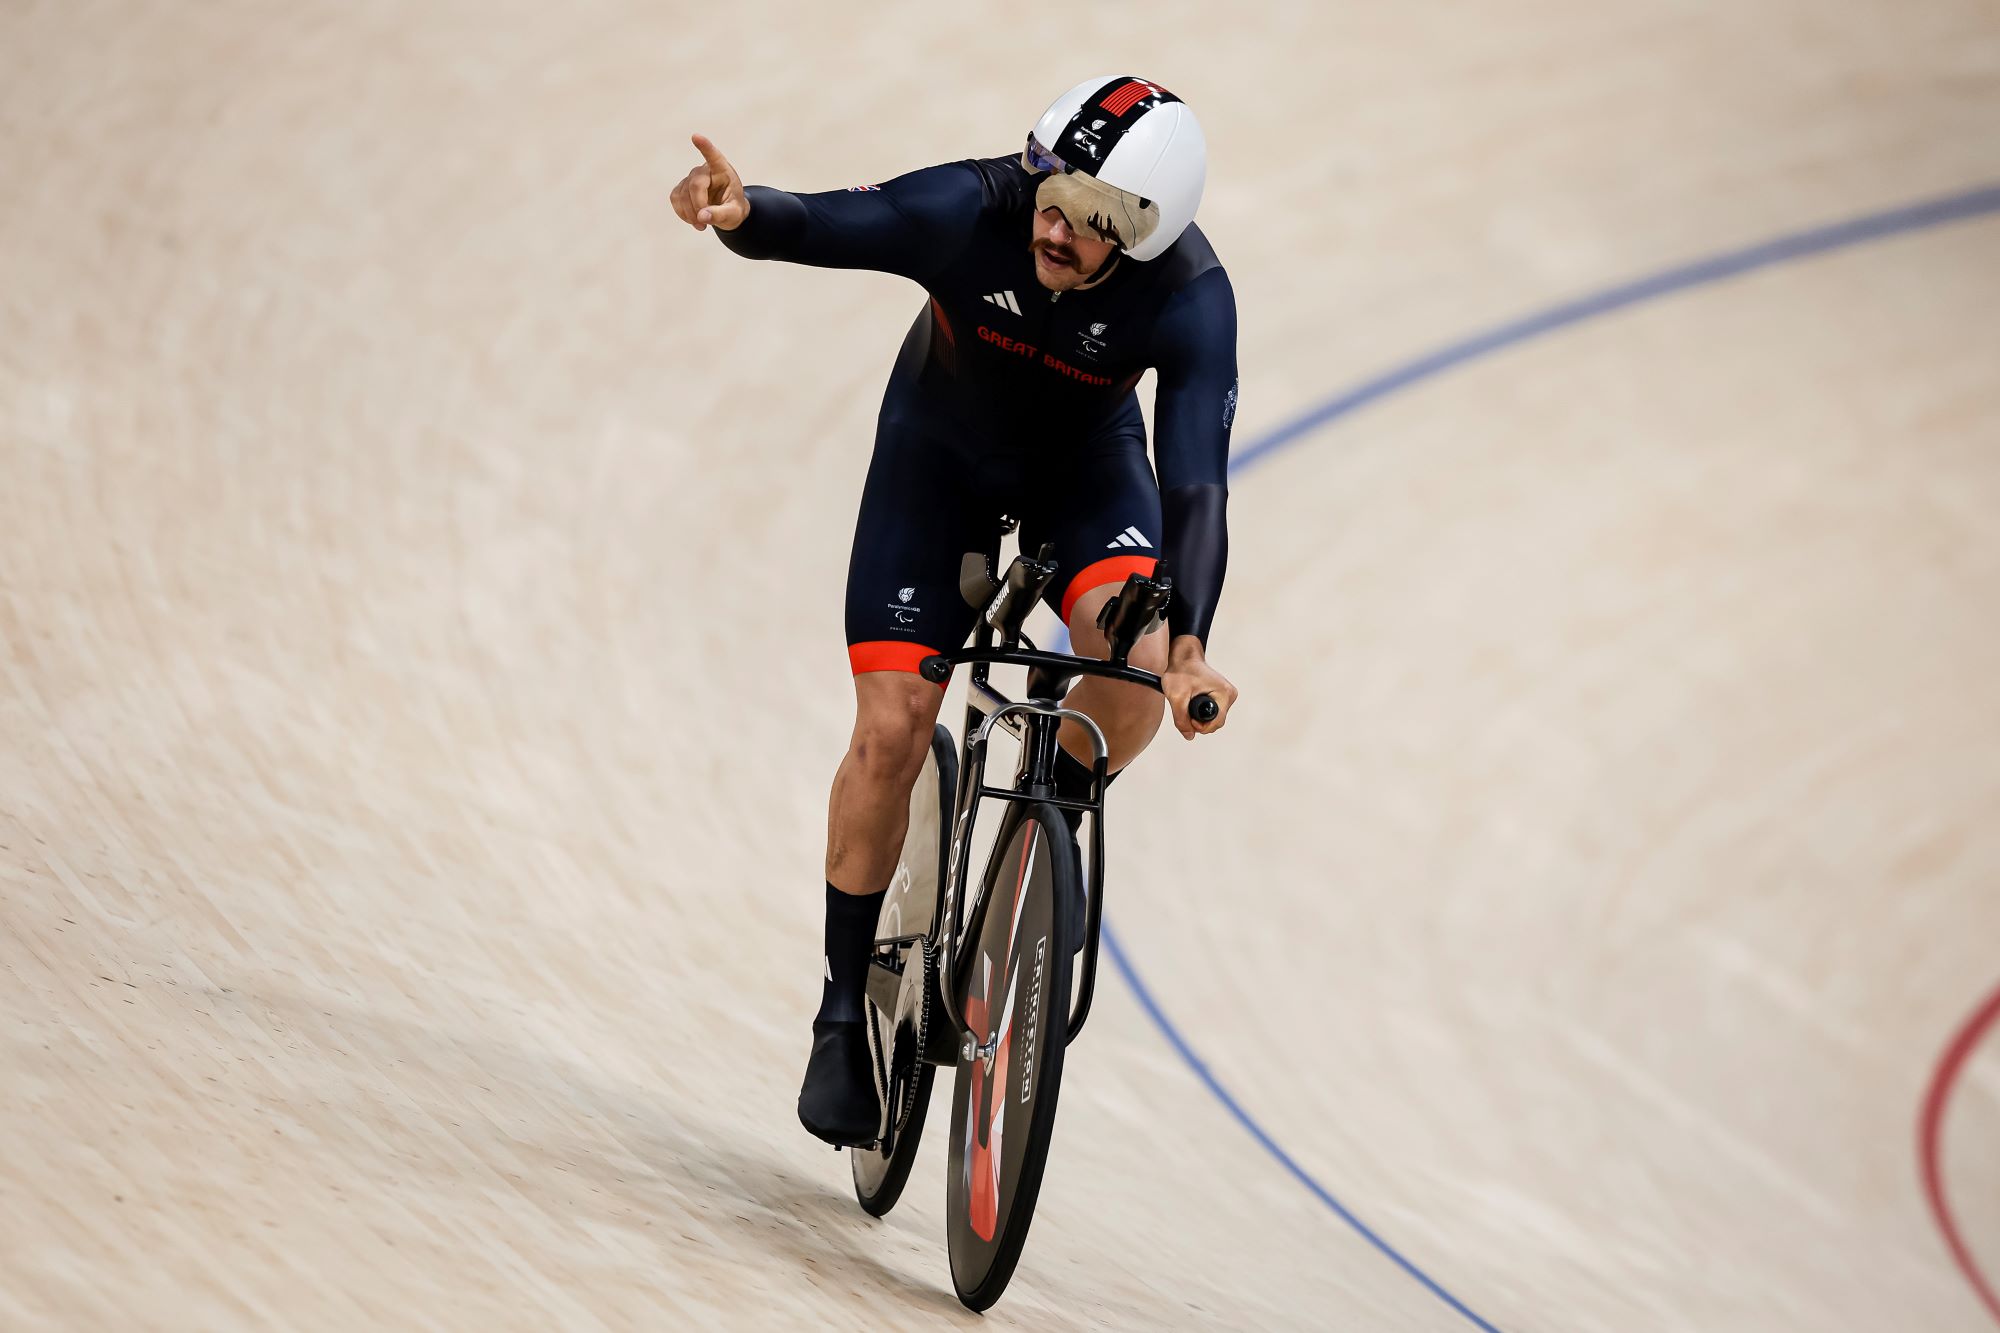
{"x": 910, "y": 905}
{"x": 1021, "y": 933}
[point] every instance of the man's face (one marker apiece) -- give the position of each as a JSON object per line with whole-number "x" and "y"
{"x": 1065, "y": 258}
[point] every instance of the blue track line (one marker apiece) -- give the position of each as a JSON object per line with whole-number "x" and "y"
{"x": 1257, "y": 1132}
{"x": 1978, "y": 202}
{"x": 1982, "y": 201}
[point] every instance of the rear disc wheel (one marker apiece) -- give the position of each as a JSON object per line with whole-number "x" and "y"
{"x": 896, "y": 1033}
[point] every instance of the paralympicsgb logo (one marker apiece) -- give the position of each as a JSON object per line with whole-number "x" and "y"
{"x": 903, "y": 616}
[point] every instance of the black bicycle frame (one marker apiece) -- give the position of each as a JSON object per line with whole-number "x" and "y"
{"x": 1137, "y": 610}
{"x": 1035, "y": 723}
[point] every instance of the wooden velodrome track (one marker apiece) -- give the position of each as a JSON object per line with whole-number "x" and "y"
{"x": 420, "y": 672}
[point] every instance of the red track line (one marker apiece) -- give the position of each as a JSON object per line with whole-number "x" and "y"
{"x": 1930, "y": 1136}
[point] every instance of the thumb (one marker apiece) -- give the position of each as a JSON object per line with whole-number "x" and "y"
{"x": 725, "y": 215}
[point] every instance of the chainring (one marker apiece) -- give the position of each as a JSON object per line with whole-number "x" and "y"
{"x": 913, "y": 1023}
{"x": 897, "y": 1069}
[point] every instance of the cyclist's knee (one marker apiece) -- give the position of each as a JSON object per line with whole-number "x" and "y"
{"x": 894, "y": 716}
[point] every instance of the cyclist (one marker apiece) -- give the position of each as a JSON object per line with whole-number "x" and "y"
{"x": 1056, "y": 277}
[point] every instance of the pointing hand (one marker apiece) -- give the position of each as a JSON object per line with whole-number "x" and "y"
{"x": 712, "y": 194}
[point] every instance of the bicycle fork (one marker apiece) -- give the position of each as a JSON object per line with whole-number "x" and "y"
{"x": 1036, "y": 724}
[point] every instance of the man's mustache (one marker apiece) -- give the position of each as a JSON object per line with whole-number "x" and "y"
{"x": 1043, "y": 246}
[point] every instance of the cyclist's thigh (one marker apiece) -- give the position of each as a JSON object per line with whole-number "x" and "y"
{"x": 1101, "y": 508}
{"x": 920, "y": 516}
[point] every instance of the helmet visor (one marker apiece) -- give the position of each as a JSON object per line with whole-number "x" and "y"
{"x": 1087, "y": 203}
{"x": 1038, "y": 159}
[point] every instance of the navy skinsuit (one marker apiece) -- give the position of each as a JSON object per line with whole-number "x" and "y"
{"x": 1011, "y": 399}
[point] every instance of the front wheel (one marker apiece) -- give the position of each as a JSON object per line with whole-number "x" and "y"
{"x": 1014, "y": 997}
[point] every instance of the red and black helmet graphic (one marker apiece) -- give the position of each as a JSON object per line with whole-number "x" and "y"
{"x": 1102, "y": 120}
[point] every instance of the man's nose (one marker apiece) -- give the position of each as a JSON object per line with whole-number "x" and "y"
{"x": 1059, "y": 231}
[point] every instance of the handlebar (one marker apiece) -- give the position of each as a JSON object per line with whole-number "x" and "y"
{"x": 937, "y": 669}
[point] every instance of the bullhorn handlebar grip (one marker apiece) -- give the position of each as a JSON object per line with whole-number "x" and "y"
{"x": 1203, "y": 708}
{"x": 934, "y": 669}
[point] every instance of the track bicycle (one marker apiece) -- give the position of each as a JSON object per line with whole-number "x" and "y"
{"x": 982, "y": 980}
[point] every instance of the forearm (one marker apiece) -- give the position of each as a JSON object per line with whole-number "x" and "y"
{"x": 906, "y": 226}
{"x": 773, "y": 228}
{"x": 1197, "y": 549}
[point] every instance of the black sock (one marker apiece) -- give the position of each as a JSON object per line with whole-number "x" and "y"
{"x": 850, "y": 932}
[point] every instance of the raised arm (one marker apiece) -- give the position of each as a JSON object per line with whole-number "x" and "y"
{"x": 908, "y": 226}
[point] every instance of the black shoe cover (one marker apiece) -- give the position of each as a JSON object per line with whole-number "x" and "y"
{"x": 838, "y": 1102}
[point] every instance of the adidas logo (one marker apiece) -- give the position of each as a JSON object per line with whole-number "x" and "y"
{"x": 1005, "y": 300}
{"x": 1129, "y": 537}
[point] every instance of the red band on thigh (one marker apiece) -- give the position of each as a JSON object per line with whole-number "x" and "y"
{"x": 887, "y": 655}
{"x": 1114, "y": 570}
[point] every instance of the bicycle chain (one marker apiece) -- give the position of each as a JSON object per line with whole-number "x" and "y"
{"x": 921, "y": 955}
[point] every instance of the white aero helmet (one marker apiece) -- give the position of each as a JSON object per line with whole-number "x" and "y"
{"x": 1125, "y": 158}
